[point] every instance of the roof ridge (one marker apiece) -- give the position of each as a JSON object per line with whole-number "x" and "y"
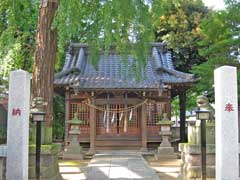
{"x": 153, "y": 44}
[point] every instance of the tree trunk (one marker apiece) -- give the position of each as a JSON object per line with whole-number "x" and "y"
{"x": 45, "y": 55}
{"x": 182, "y": 106}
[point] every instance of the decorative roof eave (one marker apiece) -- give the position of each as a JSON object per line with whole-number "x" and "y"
{"x": 177, "y": 74}
{"x": 85, "y": 45}
{"x": 66, "y": 72}
{"x": 116, "y": 89}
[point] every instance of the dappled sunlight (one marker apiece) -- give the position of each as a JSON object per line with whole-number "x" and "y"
{"x": 74, "y": 176}
{"x": 69, "y": 163}
{"x": 71, "y": 169}
{"x": 101, "y": 165}
{"x": 173, "y": 175}
{"x": 123, "y": 172}
{"x": 167, "y": 169}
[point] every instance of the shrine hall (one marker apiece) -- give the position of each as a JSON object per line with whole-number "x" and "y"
{"x": 116, "y": 107}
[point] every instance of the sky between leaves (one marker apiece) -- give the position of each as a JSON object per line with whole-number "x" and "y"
{"x": 215, "y": 4}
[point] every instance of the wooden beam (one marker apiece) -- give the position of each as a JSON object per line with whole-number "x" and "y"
{"x": 168, "y": 108}
{"x": 182, "y": 107}
{"x": 144, "y": 127}
{"x": 92, "y": 123}
{"x": 118, "y": 101}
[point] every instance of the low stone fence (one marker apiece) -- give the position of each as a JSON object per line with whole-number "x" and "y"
{"x": 191, "y": 151}
{"x": 191, "y": 161}
{"x": 3, "y": 155}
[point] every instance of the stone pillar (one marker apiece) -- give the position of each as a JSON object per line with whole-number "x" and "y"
{"x": 92, "y": 123}
{"x": 226, "y": 112}
{"x": 18, "y": 125}
{"x": 144, "y": 127}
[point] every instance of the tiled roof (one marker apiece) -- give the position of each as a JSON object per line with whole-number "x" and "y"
{"x": 112, "y": 73}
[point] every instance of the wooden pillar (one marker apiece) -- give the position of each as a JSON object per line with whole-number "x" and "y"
{"x": 168, "y": 105}
{"x": 92, "y": 122}
{"x": 67, "y": 110}
{"x": 182, "y": 107}
{"x": 144, "y": 127}
{"x": 168, "y": 109}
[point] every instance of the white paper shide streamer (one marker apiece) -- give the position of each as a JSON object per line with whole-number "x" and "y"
{"x": 107, "y": 119}
{"x": 113, "y": 118}
{"x": 130, "y": 115}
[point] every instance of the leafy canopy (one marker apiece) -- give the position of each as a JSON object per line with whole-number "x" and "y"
{"x": 100, "y": 23}
{"x": 179, "y": 26}
{"x": 17, "y": 30}
{"x": 221, "y": 31}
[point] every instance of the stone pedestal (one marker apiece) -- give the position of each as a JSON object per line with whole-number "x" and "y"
{"x": 194, "y": 132}
{"x": 191, "y": 152}
{"x": 191, "y": 161}
{"x": 3, "y": 154}
{"x": 2, "y": 168}
{"x": 49, "y": 162}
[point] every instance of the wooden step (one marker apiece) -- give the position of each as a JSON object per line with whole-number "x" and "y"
{"x": 118, "y": 144}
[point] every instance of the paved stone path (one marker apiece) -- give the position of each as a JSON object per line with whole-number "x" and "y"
{"x": 119, "y": 166}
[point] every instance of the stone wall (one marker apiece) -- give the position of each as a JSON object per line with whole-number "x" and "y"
{"x": 49, "y": 162}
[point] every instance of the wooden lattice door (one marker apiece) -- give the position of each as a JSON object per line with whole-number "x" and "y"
{"x": 116, "y": 122}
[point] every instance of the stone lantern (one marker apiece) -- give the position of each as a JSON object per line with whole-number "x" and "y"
{"x": 165, "y": 150}
{"x": 74, "y": 150}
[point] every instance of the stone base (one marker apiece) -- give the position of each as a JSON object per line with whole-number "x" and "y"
{"x": 191, "y": 161}
{"x": 57, "y": 177}
{"x": 165, "y": 153}
{"x": 165, "y": 150}
{"x": 2, "y": 168}
{"x": 49, "y": 162}
{"x": 144, "y": 149}
{"x": 91, "y": 151}
{"x": 72, "y": 156}
{"x": 193, "y": 172}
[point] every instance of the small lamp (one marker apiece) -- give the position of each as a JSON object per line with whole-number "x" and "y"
{"x": 203, "y": 114}
{"x": 38, "y": 116}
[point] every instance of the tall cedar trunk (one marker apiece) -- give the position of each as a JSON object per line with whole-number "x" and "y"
{"x": 182, "y": 106}
{"x": 45, "y": 55}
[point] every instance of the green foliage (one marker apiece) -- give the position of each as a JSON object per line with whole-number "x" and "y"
{"x": 58, "y": 117}
{"x": 179, "y": 26}
{"x": 18, "y": 21}
{"x": 220, "y": 45}
{"x": 3, "y": 133}
{"x": 126, "y": 24}
{"x": 175, "y": 107}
